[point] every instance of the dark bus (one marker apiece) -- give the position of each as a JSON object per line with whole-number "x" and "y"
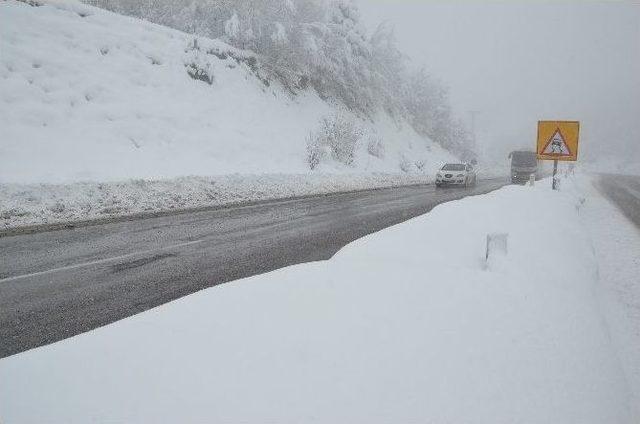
{"x": 524, "y": 163}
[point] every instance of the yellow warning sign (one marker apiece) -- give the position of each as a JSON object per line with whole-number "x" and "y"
{"x": 558, "y": 140}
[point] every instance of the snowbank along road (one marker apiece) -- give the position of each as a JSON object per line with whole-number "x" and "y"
{"x": 58, "y": 284}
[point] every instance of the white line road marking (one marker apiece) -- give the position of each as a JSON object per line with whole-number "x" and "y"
{"x": 99, "y": 261}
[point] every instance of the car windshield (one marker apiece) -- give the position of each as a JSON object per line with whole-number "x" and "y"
{"x": 453, "y": 167}
{"x": 523, "y": 158}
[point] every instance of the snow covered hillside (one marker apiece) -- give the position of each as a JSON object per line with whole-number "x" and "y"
{"x": 88, "y": 95}
{"x": 406, "y": 325}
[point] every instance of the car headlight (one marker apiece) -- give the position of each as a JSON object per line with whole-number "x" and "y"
{"x": 460, "y": 175}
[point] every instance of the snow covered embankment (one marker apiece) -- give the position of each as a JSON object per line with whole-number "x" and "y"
{"x": 37, "y": 204}
{"x": 405, "y": 325}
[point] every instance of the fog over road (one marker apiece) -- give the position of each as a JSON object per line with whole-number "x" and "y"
{"x": 57, "y": 284}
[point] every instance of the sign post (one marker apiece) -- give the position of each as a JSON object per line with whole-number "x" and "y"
{"x": 557, "y": 140}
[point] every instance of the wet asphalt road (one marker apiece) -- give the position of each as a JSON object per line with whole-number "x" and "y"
{"x": 57, "y": 284}
{"x": 624, "y": 191}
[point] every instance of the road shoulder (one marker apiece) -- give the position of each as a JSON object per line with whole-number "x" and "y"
{"x": 616, "y": 244}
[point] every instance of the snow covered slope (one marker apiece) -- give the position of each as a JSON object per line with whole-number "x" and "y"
{"x": 86, "y": 94}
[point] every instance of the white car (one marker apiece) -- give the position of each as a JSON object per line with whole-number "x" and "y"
{"x": 456, "y": 174}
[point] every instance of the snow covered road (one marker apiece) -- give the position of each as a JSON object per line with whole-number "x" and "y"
{"x": 57, "y": 284}
{"x": 624, "y": 191}
{"x": 618, "y": 247}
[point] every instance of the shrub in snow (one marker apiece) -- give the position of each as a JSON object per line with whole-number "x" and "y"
{"x": 35, "y": 3}
{"x": 201, "y": 51}
{"x": 232, "y": 26}
{"x": 420, "y": 164}
{"x": 375, "y": 146}
{"x": 72, "y": 6}
{"x": 13, "y": 212}
{"x": 314, "y": 152}
{"x": 197, "y": 64}
{"x": 58, "y": 207}
{"x": 198, "y": 73}
{"x": 405, "y": 164}
{"x": 337, "y": 138}
{"x": 279, "y": 35}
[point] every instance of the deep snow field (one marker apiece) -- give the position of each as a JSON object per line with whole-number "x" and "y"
{"x": 409, "y": 324}
{"x": 89, "y": 95}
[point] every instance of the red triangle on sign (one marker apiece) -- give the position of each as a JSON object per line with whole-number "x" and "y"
{"x": 556, "y": 145}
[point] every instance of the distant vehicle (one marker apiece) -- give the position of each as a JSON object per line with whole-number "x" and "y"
{"x": 456, "y": 174}
{"x": 524, "y": 164}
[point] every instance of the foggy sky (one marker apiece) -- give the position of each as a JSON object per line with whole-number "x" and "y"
{"x": 517, "y": 63}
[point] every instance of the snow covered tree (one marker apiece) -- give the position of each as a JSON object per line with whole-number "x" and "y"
{"x": 321, "y": 44}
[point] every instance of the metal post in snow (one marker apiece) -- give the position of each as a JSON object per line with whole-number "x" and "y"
{"x": 554, "y": 183}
